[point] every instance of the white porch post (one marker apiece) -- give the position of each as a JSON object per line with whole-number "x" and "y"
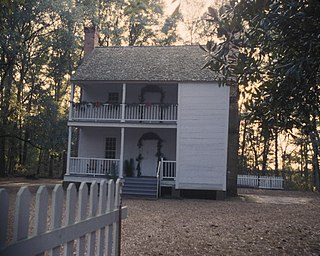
{"x": 121, "y": 153}
{"x": 71, "y": 101}
{"x": 123, "y": 102}
{"x": 69, "y": 151}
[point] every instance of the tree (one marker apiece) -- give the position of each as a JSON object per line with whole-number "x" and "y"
{"x": 141, "y": 16}
{"x": 41, "y": 43}
{"x": 169, "y": 33}
{"x": 272, "y": 49}
{"x": 38, "y": 53}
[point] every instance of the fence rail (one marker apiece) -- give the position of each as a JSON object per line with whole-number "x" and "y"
{"x": 254, "y": 181}
{"x": 124, "y": 112}
{"x": 92, "y": 230}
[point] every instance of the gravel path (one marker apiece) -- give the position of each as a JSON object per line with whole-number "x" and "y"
{"x": 258, "y": 222}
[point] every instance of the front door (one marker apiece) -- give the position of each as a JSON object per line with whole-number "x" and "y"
{"x": 149, "y": 162}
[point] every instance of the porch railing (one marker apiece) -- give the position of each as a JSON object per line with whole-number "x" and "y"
{"x": 151, "y": 112}
{"x": 168, "y": 169}
{"x": 94, "y": 166}
{"x": 96, "y": 111}
{"x": 132, "y": 112}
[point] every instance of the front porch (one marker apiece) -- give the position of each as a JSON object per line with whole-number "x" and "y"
{"x": 95, "y": 169}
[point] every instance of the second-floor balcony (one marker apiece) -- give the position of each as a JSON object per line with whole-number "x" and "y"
{"x": 95, "y": 111}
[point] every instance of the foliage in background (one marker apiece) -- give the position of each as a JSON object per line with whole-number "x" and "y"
{"x": 41, "y": 44}
{"x": 272, "y": 48}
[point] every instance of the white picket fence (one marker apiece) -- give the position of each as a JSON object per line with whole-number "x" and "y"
{"x": 91, "y": 222}
{"x": 254, "y": 181}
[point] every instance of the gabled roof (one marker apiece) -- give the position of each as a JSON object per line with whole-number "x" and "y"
{"x": 144, "y": 63}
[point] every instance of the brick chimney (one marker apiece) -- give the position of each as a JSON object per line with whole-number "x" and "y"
{"x": 91, "y": 36}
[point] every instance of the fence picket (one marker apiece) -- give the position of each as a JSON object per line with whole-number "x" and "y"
{"x": 82, "y": 214}
{"x": 110, "y": 206}
{"x": 56, "y": 213}
{"x": 70, "y": 215}
{"x": 4, "y": 206}
{"x": 102, "y": 210}
{"x": 116, "y": 223}
{"x": 93, "y": 207}
{"x": 40, "y": 224}
{"x": 21, "y": 222}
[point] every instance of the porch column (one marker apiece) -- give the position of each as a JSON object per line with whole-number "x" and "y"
{"x": 121, "y": 153}
{"x": 123, "y": 102}
{"x": 71, "y": 101}
{"x": 69, "y": 150}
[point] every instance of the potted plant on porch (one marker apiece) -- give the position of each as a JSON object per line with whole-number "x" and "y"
{"x": 128, "y": 167}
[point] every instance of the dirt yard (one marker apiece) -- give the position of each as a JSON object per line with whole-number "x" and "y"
{"x": 258, "y": 222}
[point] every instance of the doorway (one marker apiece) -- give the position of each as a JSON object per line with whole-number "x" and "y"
{"x": 149, "y": 145}
{"x": 149, "y": 162}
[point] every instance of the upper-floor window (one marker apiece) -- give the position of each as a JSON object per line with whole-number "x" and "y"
{"x": 113, "y": 97}
{"x": 111, "y": 144}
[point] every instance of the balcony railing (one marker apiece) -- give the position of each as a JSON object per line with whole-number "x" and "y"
{"x": 94, "y": 166}
{"x": 124, "y": 112}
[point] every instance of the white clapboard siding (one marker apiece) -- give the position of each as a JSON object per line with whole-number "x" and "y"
{"x": 202, "y": 136}
{"x": 72, "y": 230}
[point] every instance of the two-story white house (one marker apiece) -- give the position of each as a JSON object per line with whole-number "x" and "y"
{"x": 154, "y": 107}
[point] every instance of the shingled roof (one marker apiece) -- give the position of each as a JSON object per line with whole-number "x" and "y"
{"x": 144, "y": 63}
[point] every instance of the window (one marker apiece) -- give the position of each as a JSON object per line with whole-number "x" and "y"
{"x": 111, "y": 148}
{"x": 113, "y": 97}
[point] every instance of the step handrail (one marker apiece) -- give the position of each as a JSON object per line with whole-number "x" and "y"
{"x": 158, "y": 177}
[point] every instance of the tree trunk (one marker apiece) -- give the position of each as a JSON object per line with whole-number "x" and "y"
{"x": 243, "y": 146}
{"x": 265, "y": 152}
{"x": 25, "y": 147}
{"x": 39, "y": 162}
{"x": 233, "y": 142}
{"x": 3, "y": 142}
{"x": 51, "y": 166}
{"x": 276, "y": 164}
{"x": 315, "y": 160}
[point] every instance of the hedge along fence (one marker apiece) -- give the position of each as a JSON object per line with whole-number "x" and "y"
{"x": 89, "y": 229}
